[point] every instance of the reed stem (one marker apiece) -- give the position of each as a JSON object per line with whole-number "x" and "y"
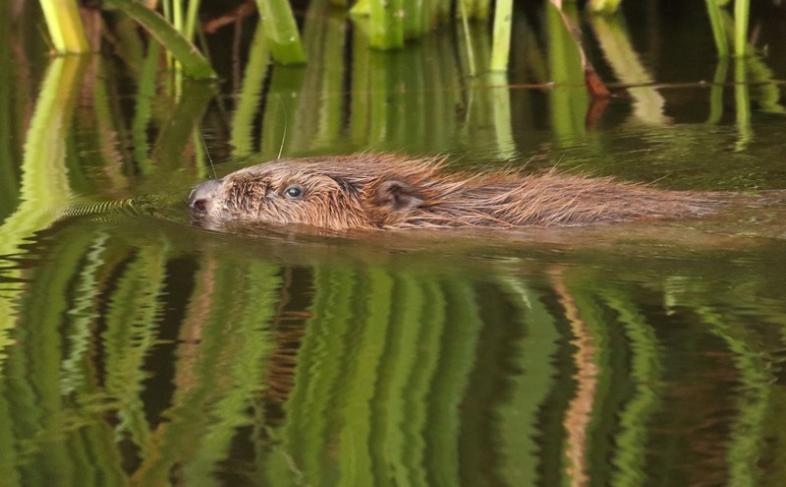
{"x": 65, "y": 26}
{"x": 718, "y": 31}
{"x": 500, "y": 49}
{"x": 386, "y": 24}
{"x": 281, "y": 31}
{"x": 741, "y": 14}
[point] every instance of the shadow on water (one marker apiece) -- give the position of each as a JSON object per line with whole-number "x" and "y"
{"x": 136, "y": 349}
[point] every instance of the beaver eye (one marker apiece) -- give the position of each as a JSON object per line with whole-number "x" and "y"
{"x": 294, "y": 191}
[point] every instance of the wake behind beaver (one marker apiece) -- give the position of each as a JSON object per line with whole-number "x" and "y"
{"x": 372, "y": 191}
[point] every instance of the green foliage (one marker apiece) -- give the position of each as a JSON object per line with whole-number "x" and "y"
{"x": 65, "y": 26}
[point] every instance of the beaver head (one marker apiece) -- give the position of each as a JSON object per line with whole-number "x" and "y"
{"x": 338, "y": 193}
{"x": 381, "y": 191}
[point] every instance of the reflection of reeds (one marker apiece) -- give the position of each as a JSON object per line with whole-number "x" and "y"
{"x": 646, "y": 373}
{"x": 519, "y": 426}
{"x": 648, "y": 103}
{"x": 44, "y": 184}
{"x": 242, "y": 138}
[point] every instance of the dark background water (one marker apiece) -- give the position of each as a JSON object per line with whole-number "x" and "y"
{"x": 138, "y": 349}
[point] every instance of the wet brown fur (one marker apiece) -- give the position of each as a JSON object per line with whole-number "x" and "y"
{"x": 372, "y": 191}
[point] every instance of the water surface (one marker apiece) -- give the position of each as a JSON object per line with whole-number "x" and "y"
{"x": 138, "y": 349}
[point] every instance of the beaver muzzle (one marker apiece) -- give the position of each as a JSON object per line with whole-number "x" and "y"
{"x": 202, "y": 196}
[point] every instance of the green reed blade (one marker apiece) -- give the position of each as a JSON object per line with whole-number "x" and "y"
{"x": 360, "y": 105}
{"x": 65, "y": 25}
{"x": 191, "y": 19}
{"x": 718, "y": 30}
{"x": 500, "y": 51}
{"x": 194, "y": 63}
{"x": 386, "y": 26}
{"x": 569, "y": 100}
{"x": 741, "y": 15}
{"x": 361, "y": 8}
{"x": 468, "y": 50}
{"x": 604, "y": 6}
{"x": 281, "y": 29}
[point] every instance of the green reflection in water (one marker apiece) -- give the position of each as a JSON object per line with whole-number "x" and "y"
{"x": 175, "y": 356}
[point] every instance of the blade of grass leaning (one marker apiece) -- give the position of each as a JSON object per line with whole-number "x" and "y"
{"x": 194, "y": 63}
{"x": 500, "y": 49}
{"x": 741, "y": 15}
{"x": 65, "y": 26}
{"x": 281, "y": 30}
{"x": 718, "y": 31}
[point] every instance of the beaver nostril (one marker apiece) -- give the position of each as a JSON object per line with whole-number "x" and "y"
{"x": 200, "y": 197}
{"x": 199, "y": 205}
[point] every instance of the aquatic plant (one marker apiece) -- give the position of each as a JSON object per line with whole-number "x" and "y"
{"x": 65, "y": 26}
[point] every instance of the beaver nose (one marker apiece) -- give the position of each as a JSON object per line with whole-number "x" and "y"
{"x": 200, "y": 197}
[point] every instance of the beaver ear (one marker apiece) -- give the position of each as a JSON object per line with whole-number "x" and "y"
{"x": 397, "y": 196}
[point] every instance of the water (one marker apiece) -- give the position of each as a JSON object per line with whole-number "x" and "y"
{"x": 138, "y": 349}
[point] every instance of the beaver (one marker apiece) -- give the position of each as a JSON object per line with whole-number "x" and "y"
{"x": 373, "y": 191}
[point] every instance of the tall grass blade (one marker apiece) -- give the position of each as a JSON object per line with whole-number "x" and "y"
{"x": 605, "y": 6}
{"x": 386, "y": 24}
{"x": 500, "y": 50}
{"x": 65, "y": 26}
{"x": 741, "y": 15}
{"x": 718, "y": 29}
